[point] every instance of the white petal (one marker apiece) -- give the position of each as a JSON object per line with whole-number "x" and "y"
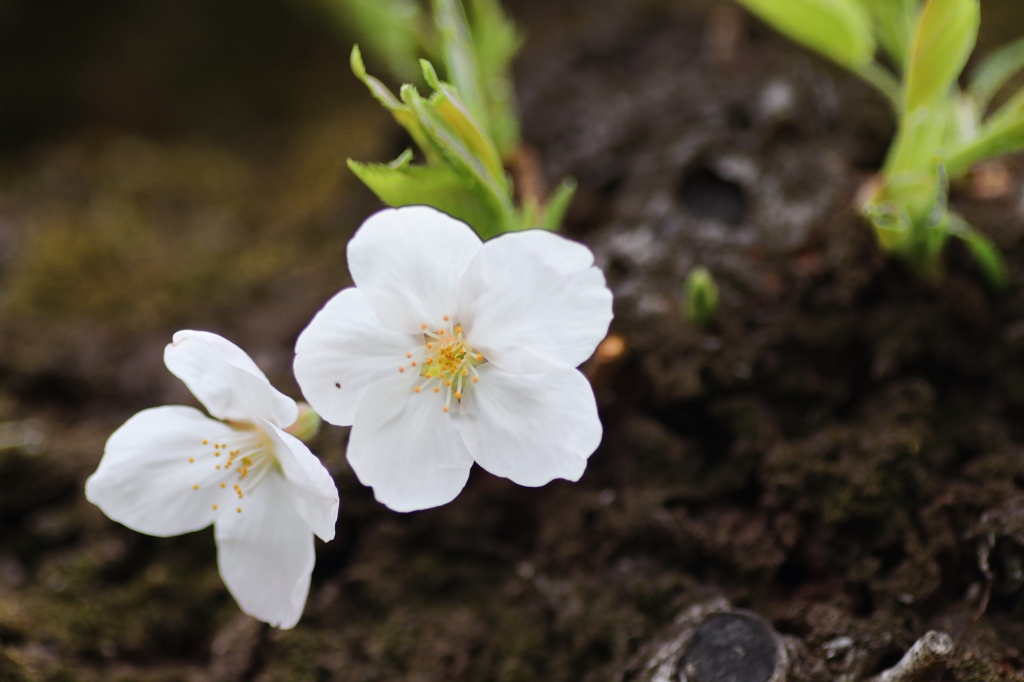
{"x": 408, "y": 261}
{"x": 533, "y": 302}
{"x": 407, "y": 448}
{"x": 343, "y": 351}
{"x": 313, "y": 491}
{"x": 530, "y": 428}
{"x": 226, "y": 380}
{"x": 149, "y": 469}
{"x": 265, "y": 553}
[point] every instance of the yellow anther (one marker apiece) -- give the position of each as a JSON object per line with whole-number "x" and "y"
{"x": 414, "y": 363}
{"x": 214, "y": 507}
{"x": 423, "y": 326}
{"x": 401, "y": 369}
{"x": 238, "y": 509}
{"x": 216, "y": 454}
{"x": 430, "y": 345}
{"x": 476, "y": 379}
{"x": 218, "y": 466}
{"x": 458, "y": 396}
{"x": 416, "y": 389}
{"x": 195, "y": 487}
{"x": 205, "y": 442}
{"x": 445, "y": 408}
{"x": 437, "y": 389}
{"x": 465, "y": 372}
{"x": 446, "y": 318}
{"x": 479, "y": 357}
{"x": 408, "y": 355}
{"x": 191, "y": 460}
{"x": 448, "y": 382}
{"x": 223, "y": 485}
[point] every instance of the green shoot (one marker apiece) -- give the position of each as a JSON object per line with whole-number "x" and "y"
{"x": 701, "y": 296}
{"x": 463, "y": 174}
{"x": 943, "y": 130}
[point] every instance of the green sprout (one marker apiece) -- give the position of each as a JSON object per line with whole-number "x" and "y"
{"x": 701, "y": 296}
{"x": 943, "y": 131}
{"x": 467, "y": 129}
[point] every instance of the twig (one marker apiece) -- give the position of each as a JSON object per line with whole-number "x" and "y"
{"x": 933, "y": 649}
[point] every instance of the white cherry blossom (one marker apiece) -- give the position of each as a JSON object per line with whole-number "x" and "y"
{"x": 172, "y": 470}
{"x": 450, "y": 351}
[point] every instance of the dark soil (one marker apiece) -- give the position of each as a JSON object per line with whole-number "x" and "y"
{"x": 840, "y": 452}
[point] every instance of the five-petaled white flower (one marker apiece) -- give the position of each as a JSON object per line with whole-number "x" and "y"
{"x": 450, "y": 351}
{"x": 171, "y": 470}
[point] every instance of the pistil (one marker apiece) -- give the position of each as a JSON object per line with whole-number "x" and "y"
{"x": 445, "y": 361}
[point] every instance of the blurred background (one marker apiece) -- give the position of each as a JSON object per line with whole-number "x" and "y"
{"x": 168, "y": 165}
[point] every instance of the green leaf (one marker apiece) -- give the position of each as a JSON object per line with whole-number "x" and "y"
{"x": 391, "y": 29}
{"x": 497, "y": 41}
{"x": 448, "y": 104}
{"x": 838, "y": 29}
{"x": 558, "y": 204}
{"x": 1002, "y": 133}
{"x": 477, "y": 52}
{"x": 985, "y": 252}
{"x": 402, "y": 114}
{"x": 455, "y": 145}
{"x": 460, "y": 58}
{"x": 701, "y": 296}
{"x": 994, "y": 71}
{"x": 894, "y": 25}
{"x": 943, "y": 39}
{"x": 439, "y": 186}
{"x": 457, "y": 152}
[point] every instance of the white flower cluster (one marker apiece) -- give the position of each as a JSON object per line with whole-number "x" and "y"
{"x": 448, "y": 351}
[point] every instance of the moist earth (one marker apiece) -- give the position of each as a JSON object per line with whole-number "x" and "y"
{"x": 840, "y": 452}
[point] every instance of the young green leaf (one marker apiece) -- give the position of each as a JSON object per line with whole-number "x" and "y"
{"x": 558, "y": 205}
{"x": 463, "y": 176}
{"x": 497, "y": 41}
{"x": 894, "y": 25}
{"x": 838, "y": 29}
{"x": 1002, "y": 133}
{"x": 402, "y": 114}
{"x": 447, "y": 102}
{"x": 943, "y": 39}
{"x": 993, "y": 267}
{"x": 701, "y": 296}
{"x": 442, "y": 187}
{"x": 994, "y": 72}
{"x": 460, "y": 58}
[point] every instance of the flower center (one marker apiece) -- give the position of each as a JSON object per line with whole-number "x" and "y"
{"x": 240, "y": 460}
{"x": 446, "y": 362}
